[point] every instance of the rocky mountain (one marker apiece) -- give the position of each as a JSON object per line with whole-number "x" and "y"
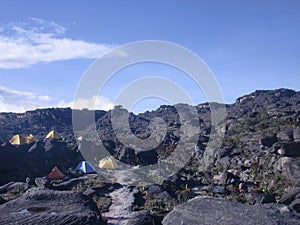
{"x": 257, "y": 166}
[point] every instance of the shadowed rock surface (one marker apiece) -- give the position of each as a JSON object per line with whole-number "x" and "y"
{"x": 209, "y": 211}
{"x": 50, "y": 207}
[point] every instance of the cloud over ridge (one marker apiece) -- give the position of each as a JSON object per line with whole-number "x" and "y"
{"x": 21, "y": 101}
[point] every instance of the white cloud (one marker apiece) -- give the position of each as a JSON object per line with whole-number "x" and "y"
{"x": 21, "y": 101}
{"x": 38, "y": 41}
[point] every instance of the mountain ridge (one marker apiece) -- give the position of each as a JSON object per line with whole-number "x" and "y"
{"x": 40, "y": 121}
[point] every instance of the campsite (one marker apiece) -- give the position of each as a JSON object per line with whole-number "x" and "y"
{"x": 119, "y": 184}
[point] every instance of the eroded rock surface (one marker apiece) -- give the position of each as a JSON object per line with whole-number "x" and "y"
{"x": 209, "y": 211}
{"x": 50, "y": 207}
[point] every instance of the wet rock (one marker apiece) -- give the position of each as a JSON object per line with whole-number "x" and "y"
{"x": 208, "y": 211}
{"x": 50, "y": 207}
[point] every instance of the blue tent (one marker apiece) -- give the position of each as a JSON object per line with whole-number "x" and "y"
{"x": 85, "y": 167}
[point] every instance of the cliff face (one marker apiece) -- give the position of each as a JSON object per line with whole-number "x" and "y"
{"x": 38, "y": 122}
{"x": 260, "y": 151}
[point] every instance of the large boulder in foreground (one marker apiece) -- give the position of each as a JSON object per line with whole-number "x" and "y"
{"x": 50, "y": 207}
{"x": 222, "y": 212}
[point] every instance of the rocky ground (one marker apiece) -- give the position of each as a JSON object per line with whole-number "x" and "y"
{"x": 254, "y": 177}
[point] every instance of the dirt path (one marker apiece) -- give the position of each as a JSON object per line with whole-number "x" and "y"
{"x": 121, "y": 207}
{"x": 122, "y": 201}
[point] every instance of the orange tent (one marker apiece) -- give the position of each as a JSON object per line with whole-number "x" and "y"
{"x": 56, "y": 174}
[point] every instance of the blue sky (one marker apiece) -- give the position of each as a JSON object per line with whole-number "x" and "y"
{"x": 46, "y": 46}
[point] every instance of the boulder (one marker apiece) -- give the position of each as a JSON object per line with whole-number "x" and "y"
{"x": 203, "y": 138}
{"x": 260, "y": 198}
{"x": 290, "y": 196}
{"x": 55, "y": 146}
{"x": 286, "y": 135}
{"x": 37, "y": 146}
{"x": 268, "y": 141}
{"x": 224, "y": 152}
{"x": 146, "y": 158}
{"x": 50, "y": 207}
{"x": 207, "y": 211}
{"x": 296, "y": 134}
{"x": 41, "y": 182}
{"x": 226, "y": 178}
{"x": 289, "y": 167}
{"x": 290, "y": 149}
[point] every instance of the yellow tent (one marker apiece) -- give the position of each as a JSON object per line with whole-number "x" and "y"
{"x": 30, "y": 138}
{"x": 108, "y": 163}
{"x": 53, "y": 135}
{"x": 17, "y": 140}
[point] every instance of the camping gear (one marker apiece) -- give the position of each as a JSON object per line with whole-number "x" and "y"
{"x": 108, "y": 163}
{"x": 53, "y": 135}
{"x": 56, "y": 174}
{"x": 17, "y": 140}
{"x": 85, "y": 167}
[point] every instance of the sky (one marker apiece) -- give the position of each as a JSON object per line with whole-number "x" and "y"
{"x": 46, "y": 47}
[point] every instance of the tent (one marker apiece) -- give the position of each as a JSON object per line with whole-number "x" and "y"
{"x": 108, "y": 163}
{"x": 56, "y": 174}
{"x": 53, "y": 135}
{"x": 85, "y": 167}
{"x": 30, "y": 138}
{"x": 17, "y": 140}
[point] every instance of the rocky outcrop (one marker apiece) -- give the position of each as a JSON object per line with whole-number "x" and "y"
{"x": 292, "y": 199}
{"x": 220, "y": 212}
{"x": 290, "y": 168}
{"x": 12, "y": 190}
{"x": 50, "y": 207}
{"x": 36, "y": 159}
